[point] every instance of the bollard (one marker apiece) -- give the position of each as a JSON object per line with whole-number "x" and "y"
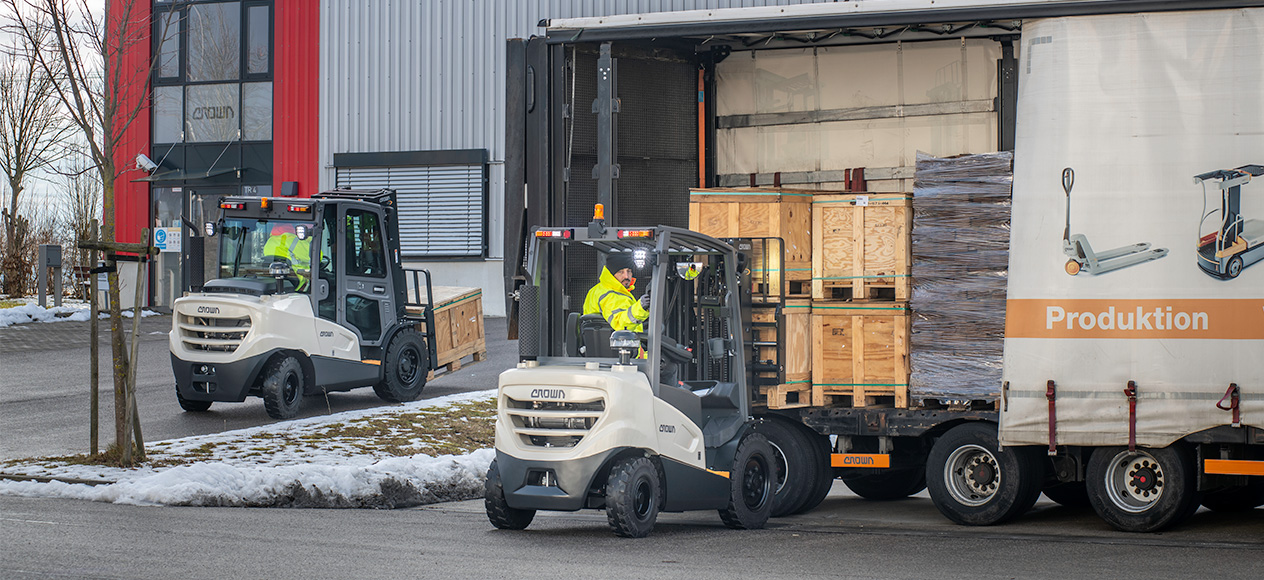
{"x": 49, "y": 257}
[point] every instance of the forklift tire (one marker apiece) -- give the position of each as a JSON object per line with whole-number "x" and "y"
{"x": 283, "y": 387}
{"x": 823, "y": 478}
{"x": 887, "y": 484}
{"x": 1234, "y": 267}
{"x": 751, "y": 483}
{"x": 794, "y": 464}
{"x": 634, "y": 495}
{"x": 190, "y": 405}
{"x": 498, "y": 511}
{"x": 404, "y": 368}
{"x": 974, "y": 483}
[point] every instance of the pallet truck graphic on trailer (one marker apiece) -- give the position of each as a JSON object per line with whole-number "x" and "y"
{"x": 1238, "y": 242}
{"x": 1081, "y": 254}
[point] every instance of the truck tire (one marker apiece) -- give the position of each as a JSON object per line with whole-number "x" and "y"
{"x": 823, "y": 480}
{"x": 751, "y": 481}
{"x": 191, "y": 405}
{"x": 1145, "y": 490}
{"x": 404, "y": 368}
{"x": 634, "y": 494}
{"x": 1073, "y": 494}
{"x": 887, "y": 484}
{"x": 973, "y": 482}
{"x": 1240, "y": 498}
{"x": 794, "y": 465}
{"x": 499, "y": 513}
{"x": 283, "y": 387}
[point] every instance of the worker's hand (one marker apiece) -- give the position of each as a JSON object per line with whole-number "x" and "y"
{"x": 645, "y": 301}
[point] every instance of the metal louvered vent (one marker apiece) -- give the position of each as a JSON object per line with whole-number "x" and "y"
{"x": 441, "y": 207}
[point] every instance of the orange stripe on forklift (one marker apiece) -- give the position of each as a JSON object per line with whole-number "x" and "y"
{"x": 875, "y": 461}
{"x": 369, "y": 361}
{"x": 723, "y": 474}
{"x": 1233, "y": 467}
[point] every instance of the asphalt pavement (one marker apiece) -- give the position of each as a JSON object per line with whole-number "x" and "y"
{"x": 45, "y": 392}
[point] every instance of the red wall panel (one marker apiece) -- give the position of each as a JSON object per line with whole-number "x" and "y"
{"x": 295, "y": 96}
{"x": 128, "y": 41}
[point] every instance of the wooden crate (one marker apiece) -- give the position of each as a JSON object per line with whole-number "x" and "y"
{"x": 861, "y": 354}
{"x": 861, "y": 248}
{"x": 761, "y": 213}
{"x": 796, "y": 390}
{"x": 458, "y": 326}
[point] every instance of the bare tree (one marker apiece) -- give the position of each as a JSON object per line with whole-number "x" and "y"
{"x": 31, "y": 130}
{"x": 91, "y": 55}
{"x": 80, "y": 190}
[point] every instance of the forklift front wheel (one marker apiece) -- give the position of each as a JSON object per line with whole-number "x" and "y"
{"x": 404, "y": 368}
{"x": 191, "y": 405}
{"x": 1072, "y": 267}
{"x": 283, "y": 387}
{"x": 498, "y": 511}
{"x": 751, "y": 481}
{"x": 1234, "y": 267}
{"x": 634, "y": 495}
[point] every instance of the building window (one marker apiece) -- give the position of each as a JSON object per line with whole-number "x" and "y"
{"x": 168, "y": 38}
{"x": 168, "y": 107}
{"x": 256, "y": 111}
{"x": 210, "y": 113}
{"x": 258, "y": 40}
{"x": 214, "y": 42}
{"x": 442, "y": 207}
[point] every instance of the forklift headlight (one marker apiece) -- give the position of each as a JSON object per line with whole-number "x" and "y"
{"x": 624, "y": 339}
{"x": 209, "y": 228}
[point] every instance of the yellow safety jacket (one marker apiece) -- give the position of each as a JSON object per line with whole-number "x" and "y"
{"x": 297, "y": 251}
{"x": 615, "y": 303}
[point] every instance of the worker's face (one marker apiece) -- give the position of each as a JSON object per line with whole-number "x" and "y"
{"x": 624, "y": 277}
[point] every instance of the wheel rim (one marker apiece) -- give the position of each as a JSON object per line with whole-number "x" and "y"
{"x": 290, "y": 392}
{"x": 1134, "y": 481}
{"x": 755, "y": 483}
{"x": 1235, "y": 267}
{"x": 782, "y": 467}
{"x": 643, "y": 499}
{"x": 972, "y": 474}
{"x": 409, "y": 363}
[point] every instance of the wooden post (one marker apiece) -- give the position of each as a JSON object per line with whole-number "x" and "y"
{"x": 129, "y": 417}
{"x": 94, "y": 348}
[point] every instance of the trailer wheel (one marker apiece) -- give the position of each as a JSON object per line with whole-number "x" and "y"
{"x": 1073, "y": 494}
{"x": 404, "y": 368}
{"x": 1145, "y": 490}
{"x": 282, "y": 387}
{"x": 634, "y": 494}
{"x": 886, "y": 484}
{"x": 750, "y": 484}
{"x": 191, "y": 405}
{"x": 1240, "y": 498}
{"x": 823, "y": 478}
{"x": 973, "y": 482}
{"x": 498, "y": 511}
{"x": 794, "y": 465}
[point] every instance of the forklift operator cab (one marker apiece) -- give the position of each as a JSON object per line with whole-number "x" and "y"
{"x": 582, "y": 424}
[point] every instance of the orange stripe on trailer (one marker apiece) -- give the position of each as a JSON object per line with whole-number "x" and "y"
{"x": 1233, "y": 467}
{"x": 876, "y": 461}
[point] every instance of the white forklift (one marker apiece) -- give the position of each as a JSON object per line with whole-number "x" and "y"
{"x": 1236, "y": 242}
{"x": 583, "y": 422}
{"x": 311, "y": 297}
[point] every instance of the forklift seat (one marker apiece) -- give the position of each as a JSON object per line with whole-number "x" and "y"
{"x": 572, "y": 334}
{"x": 594, "y": 336}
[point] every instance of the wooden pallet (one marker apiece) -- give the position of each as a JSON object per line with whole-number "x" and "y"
{"x": 787, "y": 396}
{"x": 458, "y": 314}
{"x": 860, "y": 354}
{"x": 861, "y": 247}
{"x": 761, "y": 213}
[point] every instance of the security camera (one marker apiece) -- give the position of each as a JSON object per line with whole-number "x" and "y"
{"x": 144, "y": 163}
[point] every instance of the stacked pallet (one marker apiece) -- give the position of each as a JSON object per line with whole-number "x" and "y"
{"x": 458, "y": 315}
{"x": 762, "y": 213}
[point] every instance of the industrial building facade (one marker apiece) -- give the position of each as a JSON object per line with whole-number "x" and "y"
{"x": 292, "y": 97}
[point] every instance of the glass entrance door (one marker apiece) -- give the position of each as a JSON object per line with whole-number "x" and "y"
{"x": 166, "y": 209}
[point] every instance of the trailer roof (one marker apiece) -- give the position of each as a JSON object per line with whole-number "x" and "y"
{"x": 738, "y": 25}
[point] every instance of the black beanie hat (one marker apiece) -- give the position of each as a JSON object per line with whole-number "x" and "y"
{"x": 618, "y": 261}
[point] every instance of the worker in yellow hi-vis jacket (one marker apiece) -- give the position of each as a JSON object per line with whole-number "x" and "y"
{"x": 612, "y": 296}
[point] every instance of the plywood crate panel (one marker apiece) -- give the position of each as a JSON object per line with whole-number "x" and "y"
{"x": 861, "y": 246}
{"x": 860, "y": 354}
{"x": 458, "y": 325}
{"x": 761, "y": 213}
{"x": 796, "y": 390}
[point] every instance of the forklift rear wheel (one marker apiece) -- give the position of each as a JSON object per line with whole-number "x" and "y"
{"x": 794, "y": 465}
{"x": 634, "y": 495}
{"x": 973, "y": 482}
{"x": 191, "y": 405}
{"x": 1072, "y": 267}
{"x": 404, "y": 368}
{"x": 498, "y": 511}
{"x": 1234, "y": 267}
{"x": 750, "y": 484}
{"x": 283, "y": 387}
{"x": 1145, "y": 490}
